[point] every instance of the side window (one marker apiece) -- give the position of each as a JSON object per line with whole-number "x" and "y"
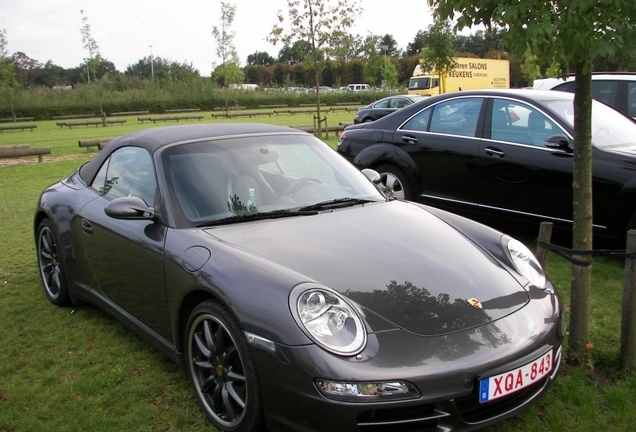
{"x": 127, "y": 172}
{"x": 565, "y": 87}
{"x": 605, "y": 91}
{"x": 453, "y": 117}
{"x": 520, "y": 123}
{"x": 631, "y": 99}
{"x": 419, "y": 122}
{"x": 383, "y": 104}
{"x": 457, "y": 117}
{"x": 399, "y": 103}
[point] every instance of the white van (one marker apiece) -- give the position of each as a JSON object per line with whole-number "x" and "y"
{"x": 359, "y": 87}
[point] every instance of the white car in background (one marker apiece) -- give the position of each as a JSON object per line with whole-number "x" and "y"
{"x": 617, "y": 90}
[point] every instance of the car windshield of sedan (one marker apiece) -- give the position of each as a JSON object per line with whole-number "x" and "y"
{"x": 610, "y": 129}
{"x": 233, "y": 178}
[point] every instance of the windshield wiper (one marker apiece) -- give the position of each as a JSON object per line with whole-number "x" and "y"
{"x": 336, "y": 203}
{"x": 257, "y": 216}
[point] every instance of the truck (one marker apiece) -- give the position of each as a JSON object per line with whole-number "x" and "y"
{"x": 470, "y": 73}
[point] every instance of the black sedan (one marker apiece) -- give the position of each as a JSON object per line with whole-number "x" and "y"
{"x": 382, "y": 107}
{"x": 501, "y": 153}
{"x": 262, "y": 261}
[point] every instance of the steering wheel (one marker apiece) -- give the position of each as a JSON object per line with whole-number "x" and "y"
{"x": 300, "y": 183}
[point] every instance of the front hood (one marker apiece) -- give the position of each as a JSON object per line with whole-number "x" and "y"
{"x": 394, "y": 259}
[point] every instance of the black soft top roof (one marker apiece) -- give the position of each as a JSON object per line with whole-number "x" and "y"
{"x": 155, "y": 138}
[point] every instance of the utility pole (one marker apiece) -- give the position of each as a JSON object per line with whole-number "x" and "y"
{"x": 152, "y": 64}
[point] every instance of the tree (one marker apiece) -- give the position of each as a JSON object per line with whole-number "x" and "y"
{"x": 347, "y": 47}
{"x": 23, "y": 66}
{"x": 389, "y": 73}
{"x": 480, "y": 42}
{"x": 373, "y": 68}
{"x": 356, "y": 71}
{"x": 574, "y": 34}
{"x": 50, "y": 75}
{"x": 260, "y": 58}
{"x": 143, "y": 69}
{"x": 93, "y": 61}
{"x": 415, "y": 47}
{"x": 388, "y": 46}
{"x": 438, "y": 54}
{"x": 229, "y": 71}
{"x": 8, "y": 81}
{"x": 530, "y": 67}
{"x": 316, "y": 22}
{"x": 296, "y": 53}
{"x": 163, "y": 69}
{"x": 89, "y": 44}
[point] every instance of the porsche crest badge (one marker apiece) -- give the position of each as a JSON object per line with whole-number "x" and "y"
{"x": 475, "y": 303}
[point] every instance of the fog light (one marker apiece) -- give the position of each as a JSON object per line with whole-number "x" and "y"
{"x": 367, "y": 391}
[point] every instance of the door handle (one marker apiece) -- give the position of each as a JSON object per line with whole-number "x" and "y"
{"x": 87, "y": 227}
{"x": 493, "y": 151}
{"x": 409, "y": 139}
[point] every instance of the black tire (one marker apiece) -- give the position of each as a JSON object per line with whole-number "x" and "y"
{"x": 394, "y": 182}
{"x": 221, "y": 370}
{"x": 51, "y": 265}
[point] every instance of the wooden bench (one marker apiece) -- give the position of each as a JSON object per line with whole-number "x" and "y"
{"x": 348, "y": 103}
{"x": 229, "y": 108}
{"x": 182, "y": 110}
{"x": 274, "y": 106}
{"x": 344, "y": 108}
{"x": 95, "y": 123}
{"x": 75, "y": 116}
{"x": 170, "y": 118}
{"x": 90, "y": 143}
{"x": 337, "y": 128}
{"x": 302, "y": 111}
{"x": 23, "y": 150}
{"x": 248, "y": 114}
{"x": 16, "y": 119}
{"x": 18, "y": 126}
{"x": 129, "y": 113}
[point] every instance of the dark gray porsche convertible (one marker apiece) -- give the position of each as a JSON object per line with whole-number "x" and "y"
{"x": 294, "y": 292}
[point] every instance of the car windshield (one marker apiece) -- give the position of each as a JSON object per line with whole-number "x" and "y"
{"x": 225, "y": 179}
{"x": 419, "y": 83}
{"x": 610, "y": 129}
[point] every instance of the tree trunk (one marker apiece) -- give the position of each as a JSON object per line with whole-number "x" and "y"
{"x": 319, "y": 131}
{"x": 628, "y": 318}
{"x": 582, "y": 214}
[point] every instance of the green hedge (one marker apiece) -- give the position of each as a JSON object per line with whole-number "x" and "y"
{"x": 43, "y": 104}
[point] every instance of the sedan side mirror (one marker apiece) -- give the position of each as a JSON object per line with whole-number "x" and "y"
{"x": 372, "y": 175}
{"x": 558, "y": 142}
{"x": 130, "y": 207}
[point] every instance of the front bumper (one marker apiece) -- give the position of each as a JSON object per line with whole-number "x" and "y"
{"x": 446, "y": 371}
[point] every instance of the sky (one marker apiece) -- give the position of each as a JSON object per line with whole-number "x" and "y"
{"x": 179, "y": 30}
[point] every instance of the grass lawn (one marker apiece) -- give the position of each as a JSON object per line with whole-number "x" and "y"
{"x": 76, "y": 369}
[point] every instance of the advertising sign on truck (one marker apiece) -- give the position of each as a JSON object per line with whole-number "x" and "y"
{"x": 469, "y": 74}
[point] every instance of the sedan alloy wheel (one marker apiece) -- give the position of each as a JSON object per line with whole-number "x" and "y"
{"x": 50, "y": 264}
{"x": 220, "y": 369}
{"x": 394, "y": 182}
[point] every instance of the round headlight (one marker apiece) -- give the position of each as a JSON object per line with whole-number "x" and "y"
{"x": 526, "y": 263}
{"x": 329, "y": 320}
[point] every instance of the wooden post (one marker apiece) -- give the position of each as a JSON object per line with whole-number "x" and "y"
{"x": 545, "y": 235}
{"x": 628, "y": 319}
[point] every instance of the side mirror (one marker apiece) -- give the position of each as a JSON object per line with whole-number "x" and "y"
{"x": 372, "y": 175}
{"x": 558, "y": 142}
{"x": 131, "y": 207}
